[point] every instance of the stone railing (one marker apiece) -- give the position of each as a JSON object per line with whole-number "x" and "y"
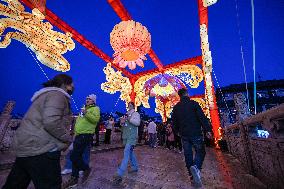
{"x": 7, "y": 134}
{"x": 263, "y": 156}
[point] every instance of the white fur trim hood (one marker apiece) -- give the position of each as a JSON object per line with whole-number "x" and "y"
{"x": 47, "y": 89}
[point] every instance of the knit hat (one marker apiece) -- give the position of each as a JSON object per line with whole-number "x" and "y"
{"x": 93, "y": 97}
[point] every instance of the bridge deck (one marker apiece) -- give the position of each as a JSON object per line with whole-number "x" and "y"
{"x": 161, "y": 168}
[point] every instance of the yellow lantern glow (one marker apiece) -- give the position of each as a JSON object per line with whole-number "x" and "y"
{"x": 207, "y": 59}
{"x": 117, "y": 83}
{"x": 204, "y": 105}
{"x": 47, "y": 44}
{"x": 142, "y": 98}
{"x": 195, "y": 73}
{"x": 162, "y": 91}
{"x": 207, "y": 3}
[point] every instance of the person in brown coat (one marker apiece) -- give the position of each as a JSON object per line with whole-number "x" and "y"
{"x": 41, "y": 136}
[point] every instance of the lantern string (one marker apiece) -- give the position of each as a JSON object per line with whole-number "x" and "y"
{"x": 75, "y": 104}
{"x": 224, "y": 99}
{"x": 115, "y": 104}
{"x": 38, "y": 65}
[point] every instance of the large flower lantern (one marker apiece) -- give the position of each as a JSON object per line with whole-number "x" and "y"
{"x": 131, "y": 41}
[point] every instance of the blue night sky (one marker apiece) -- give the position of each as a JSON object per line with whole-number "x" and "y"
{"x": 175, "y": 36}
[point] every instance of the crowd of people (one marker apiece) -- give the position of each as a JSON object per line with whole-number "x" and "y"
{"x": 48, "y": 128}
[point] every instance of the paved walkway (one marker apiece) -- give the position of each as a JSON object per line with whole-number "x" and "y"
{"x": 164, "y": 169}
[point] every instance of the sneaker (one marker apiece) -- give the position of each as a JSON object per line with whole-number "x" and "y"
{"x": 81, "y": 173}
{"x": 133, "y": 171}
{"x": 196, "y": 176}
{"x": 71, "y": 183}
{"x": 66, "y": 171}
{"x": 86, "y": 174}
{"x": 117, "y": 179}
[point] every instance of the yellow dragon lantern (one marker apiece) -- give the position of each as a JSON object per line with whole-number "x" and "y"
{"x": 117, "y": 83}
{"x": 47, "y": 44}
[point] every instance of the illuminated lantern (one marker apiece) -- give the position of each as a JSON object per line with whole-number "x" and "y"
{"x": 117, "y": 83}
{"x": 207, "y": 3}
{"x": 39, "y": 4}
{"x": 164, "y": 88}
{"x": 163, "y": 85}
{"x": 29, "y": 29}
{"x": 131, "y": 41}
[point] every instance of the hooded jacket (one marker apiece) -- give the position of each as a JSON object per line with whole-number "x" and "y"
{"x": 44, "y": 127}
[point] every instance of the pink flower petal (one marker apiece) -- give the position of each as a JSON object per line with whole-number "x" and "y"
{"x": 122, "y": 64}
{"x": 132, "y": 65}
{"x": 140, "y": 63}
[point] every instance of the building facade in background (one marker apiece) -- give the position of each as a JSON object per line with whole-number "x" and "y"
{"x": 270, "y": 93}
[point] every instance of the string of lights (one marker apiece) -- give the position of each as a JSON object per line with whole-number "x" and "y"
{"x": 75, "y": 104}
{"x": 222, "y": 94}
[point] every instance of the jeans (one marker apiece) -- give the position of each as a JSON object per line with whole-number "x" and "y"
{"x": 43, "y": 170}
{"x": 128, "y": 155}
{"x": 199, "y": 148}
{"x": 152, "y": 139}
{"x": 80, "y": 143}
{"x": 86, "y": 157}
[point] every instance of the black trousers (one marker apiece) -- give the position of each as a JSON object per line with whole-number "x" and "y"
{"x": 107, "y": 136}
{"x": 43, "y": 170}
{"x": 161, "y": 139}
{"x": 97, "y": 132}
{"x": 178, "y": 143}
{"x": 140, "y": 135}
{"x": 80, "y": 143}
{"x": 169, "y": 144}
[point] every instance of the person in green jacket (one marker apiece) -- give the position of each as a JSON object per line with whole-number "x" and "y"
{"x": 129, "y": 136}
{"x": 85, "y": 126}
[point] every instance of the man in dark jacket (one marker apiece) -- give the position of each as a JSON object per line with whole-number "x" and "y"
{"x": 189, "y": 122}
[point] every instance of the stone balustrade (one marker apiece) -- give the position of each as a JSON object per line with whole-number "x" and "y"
{"x": 262, "y": 156}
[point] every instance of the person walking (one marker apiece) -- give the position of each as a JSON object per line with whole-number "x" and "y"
{"x": 189, "y": 122}
{"x": 162, "y": 134}
{"x": 129, "y": 136}
{"x": 67, "y": 169}
{"x": 152, "y": 131}
{"x": 85, "y": 127}
{"x": 109, "y": 125}
{"x": 140, "y": 132}
{"x": 170, "y": 136}
{"x": 42, "y": 135}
